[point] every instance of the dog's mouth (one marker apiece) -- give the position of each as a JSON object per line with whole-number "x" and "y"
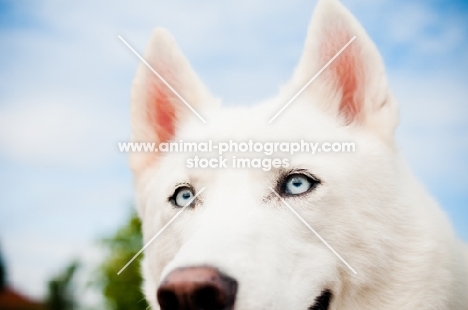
{"x": 322, "y": 302}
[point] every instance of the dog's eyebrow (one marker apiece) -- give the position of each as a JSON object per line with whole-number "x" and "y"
{"x": 179, "y": 184}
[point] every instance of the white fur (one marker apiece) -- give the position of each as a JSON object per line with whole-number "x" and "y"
{"x": 369, "y": 206}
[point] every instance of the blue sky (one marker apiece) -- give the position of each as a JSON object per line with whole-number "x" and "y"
{"x": 64, "y": 103}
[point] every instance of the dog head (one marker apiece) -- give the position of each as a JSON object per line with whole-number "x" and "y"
{"x": 239, "y": 245}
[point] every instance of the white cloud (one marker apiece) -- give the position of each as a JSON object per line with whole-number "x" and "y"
{"x": 49, "y": 130}
{"x": 33, "y": 264}
{"x": 57, "y": 223}
{"x": 433, "y": 132}
{"x": 413, "y": 19}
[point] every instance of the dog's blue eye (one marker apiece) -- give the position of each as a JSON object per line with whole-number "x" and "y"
{"x": 297, "y": 184}
{"x": 182, "y": 196}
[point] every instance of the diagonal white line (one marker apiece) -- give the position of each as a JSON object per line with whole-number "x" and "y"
{"x": 311, "y": 80}
{"x": 162, "y": 79}
{"x": 313, "y": 230}
{"x": 161, "y": 230}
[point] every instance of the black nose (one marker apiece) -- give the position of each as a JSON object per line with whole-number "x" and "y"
{"x": 197, "y": 288}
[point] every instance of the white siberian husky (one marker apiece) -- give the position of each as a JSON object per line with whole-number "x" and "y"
{"x": 238, "y": 245}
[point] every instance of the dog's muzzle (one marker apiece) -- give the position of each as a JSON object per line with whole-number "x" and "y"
{"x": 197, "y": 288}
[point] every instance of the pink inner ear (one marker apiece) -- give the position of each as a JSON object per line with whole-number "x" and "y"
{"x": 162, "y": 113}
{"x": 346, "y": 74}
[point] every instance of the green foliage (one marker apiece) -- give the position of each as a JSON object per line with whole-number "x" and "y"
{"x": 123, "y": 292}
{"x": 60, "y": 289}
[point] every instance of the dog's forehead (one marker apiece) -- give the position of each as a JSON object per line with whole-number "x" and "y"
{"x": 225, "y": 123}
{"x": 252, "y": 123}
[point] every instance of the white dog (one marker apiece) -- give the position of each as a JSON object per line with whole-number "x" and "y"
{"x": 238, "y": 245}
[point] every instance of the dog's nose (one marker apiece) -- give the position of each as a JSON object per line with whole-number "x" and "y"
{"x": 197, "y": 288}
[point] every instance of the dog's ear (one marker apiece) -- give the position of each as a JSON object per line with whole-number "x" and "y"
{"x": 156, "y": 111}
{"x": 354, "y": 86}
